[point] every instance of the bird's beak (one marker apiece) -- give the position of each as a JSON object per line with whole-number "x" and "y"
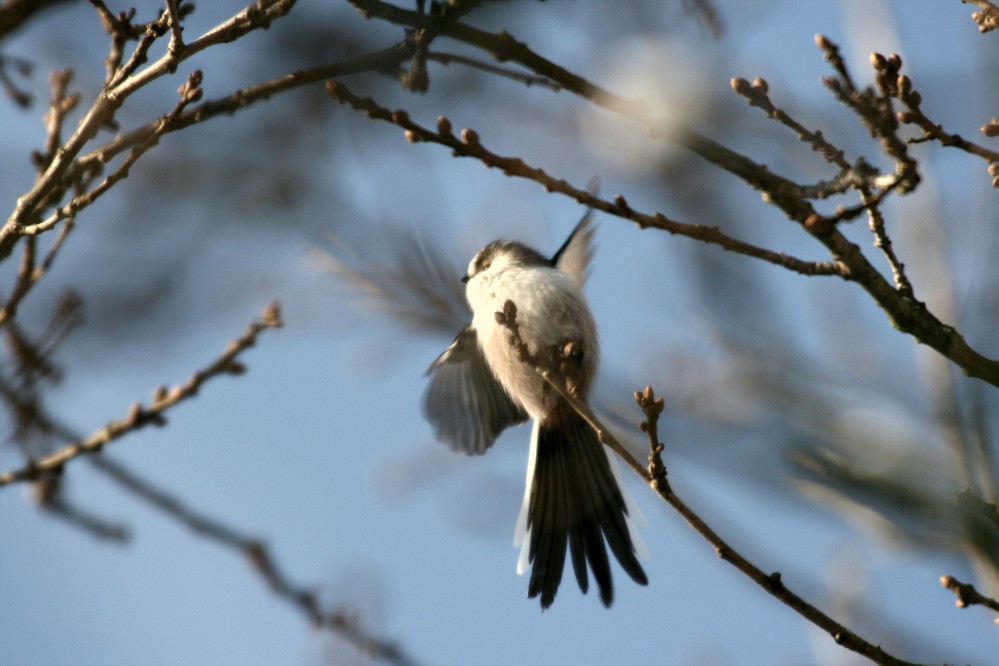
{"x": 464, "y": 279}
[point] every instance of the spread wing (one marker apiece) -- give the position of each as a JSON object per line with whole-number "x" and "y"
{"x": 464, "y": 402}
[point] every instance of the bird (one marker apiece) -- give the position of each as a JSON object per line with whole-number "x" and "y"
{"x": 529, "y": 311}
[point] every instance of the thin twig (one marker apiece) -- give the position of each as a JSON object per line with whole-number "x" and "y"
{"x": 190, "y": 92}
{"x": 756, "y": 94}
{"x": 261, "y": 559}
{"x": 913, "y": 114}
{"x": 904, "y": 312}
{"x": 126, "y": 80}
{"x": 234, "y": 102}
{"x": 20, "y": 97}
{"x": 656, "y": 477}
{"x": 29, "y": 273}
{"x": 469, "y": 145}
{"x": 967, "y": 595}
{"x": 176, "y": 29}
{"x": 988, "y": 18}
{"x": 163, "y": 400}
{"x": 860, "y": 177}
{"x": 508, "y": 318}
{"x": 527, "y": 79}
{"x": 46, "y": 491}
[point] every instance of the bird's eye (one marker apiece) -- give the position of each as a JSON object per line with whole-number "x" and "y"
{"x": 485, "y": 265}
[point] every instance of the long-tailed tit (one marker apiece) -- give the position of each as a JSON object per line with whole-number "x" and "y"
{"x": 481, "y": 384}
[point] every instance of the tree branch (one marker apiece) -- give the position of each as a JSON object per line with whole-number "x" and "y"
{"x": 967, "y": 595}
{"x": 121, "y": 84}
{"x": 904, "y": 312}
{"x": 163, "y": 400}
{"x": 988, "y": 18}
{"x": 469, "y": 145}
{"x": 260, "y": 558}
{"x": 656, "y": 477}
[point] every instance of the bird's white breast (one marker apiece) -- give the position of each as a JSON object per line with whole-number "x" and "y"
{"x": 550, "y": 310}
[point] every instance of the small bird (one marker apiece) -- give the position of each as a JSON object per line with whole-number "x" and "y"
{"x": 481, "y": 384}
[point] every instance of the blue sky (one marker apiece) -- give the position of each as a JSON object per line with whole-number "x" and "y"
{"x": 320, "y": 449}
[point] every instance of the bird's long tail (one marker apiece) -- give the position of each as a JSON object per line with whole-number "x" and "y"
{"x": 573, "y": 501}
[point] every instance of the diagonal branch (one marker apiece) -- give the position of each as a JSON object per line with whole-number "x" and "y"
{"x": 469, "y": 145}
{"x": 237, "y": 101}
{"x": 904, "y": 312}
{"x": 967, "y": 595}
{"x": 120, "y": 86}
{"x": 260, "y": 557}
{"x": 163, "y": 400}
{"x": 655, "y": 476}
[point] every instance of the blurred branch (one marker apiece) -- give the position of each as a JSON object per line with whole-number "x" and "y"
{"x": 122, "y": 82}
{"x": 988, "y": 18}
{"x": 163, "y": 400}
{"x": 21, "y": 98}
{"x": 975, "y": 504}
{"x": 189, "y": 92}
{"x": 241, "y": 99}
{"x": 708, "y": 14}
{"x": 656, "y": 477}
{"x": 47, "y": 487}
{"x": 967, "y": 595}
{"x": 61, "y": 104}
{"x": 46, "y": 491}
{"x": 528, "y": 80}
{"x": 259, "y": 557}
{"x": 14, "y": 13}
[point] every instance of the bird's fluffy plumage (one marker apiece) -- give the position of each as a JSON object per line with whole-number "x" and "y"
{"x": 573, "y": 504}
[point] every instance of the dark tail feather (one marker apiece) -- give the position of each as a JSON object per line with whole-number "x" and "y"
{"x": 574, "y": 502}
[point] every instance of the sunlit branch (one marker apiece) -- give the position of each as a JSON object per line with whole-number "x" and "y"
{"x": 656, "y": 477}
{"x": 469, "y": 145}
{"x": 153, "y": 414}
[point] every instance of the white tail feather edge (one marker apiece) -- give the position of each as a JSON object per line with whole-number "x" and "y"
{"x": 521, "y": 535}
{"x": 634, "y": 519}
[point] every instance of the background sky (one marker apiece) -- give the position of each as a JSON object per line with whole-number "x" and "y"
{"x": 320, "y": 449}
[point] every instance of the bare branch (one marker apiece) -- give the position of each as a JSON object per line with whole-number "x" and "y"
{"x": 756, "y": 94}
{"x": 903, "y": 311}
{"x": 549, "y": 372}
{"x": 656, "y": 477}
{"x": 125, "y": 81}
{"x": 13, "y": 13}
{"x": 528, "y": 80}
{"x": 20, "y": 97}
{"x": 988, "y": 18}
{"x": 176, "y": 29}
{"x": 861, "y": 176}
{"x": 189, "y": 92}
{"x": 163, "y": 400}
{"x": 967, "y": 595}
{"x": 46, "y": 491}
{"x": 260, "y": 558}
{"x": 232, "y": 103}
{"x": 469, "y": 145}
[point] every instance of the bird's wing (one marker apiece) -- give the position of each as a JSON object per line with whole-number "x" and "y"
{"x": 464, "y": 402}
{"x": 574, "y": 256}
